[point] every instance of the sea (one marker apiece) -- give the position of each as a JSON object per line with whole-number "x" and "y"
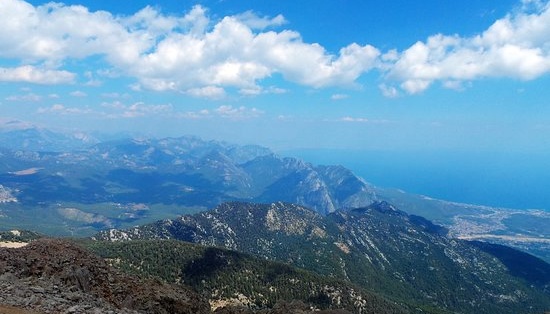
{"x": 517, "y": 180}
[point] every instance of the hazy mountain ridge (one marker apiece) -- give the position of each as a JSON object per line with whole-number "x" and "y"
{"x": 19, "y": 135}
{"x": 377, "y": 247}
{"x": 183, "y": 174}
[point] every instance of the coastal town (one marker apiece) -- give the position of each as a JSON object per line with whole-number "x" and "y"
{"x": 6, "y": 196}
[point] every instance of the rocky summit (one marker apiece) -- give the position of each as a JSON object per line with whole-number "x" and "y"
{"x": 60, "y": 276}
{"x": 56, "y": 276}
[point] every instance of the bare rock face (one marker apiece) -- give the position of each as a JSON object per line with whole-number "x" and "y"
{"x": 60, "y": 277}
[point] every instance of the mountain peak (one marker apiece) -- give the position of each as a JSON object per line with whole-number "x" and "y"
{"x": 381, "y": 207}
{"x": 384, "y": 207}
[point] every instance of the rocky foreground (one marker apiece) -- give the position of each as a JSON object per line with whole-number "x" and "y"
{"x": 58, "y": 276}
{"x": 55, "y": 276}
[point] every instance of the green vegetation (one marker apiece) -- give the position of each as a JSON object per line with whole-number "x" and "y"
{"x": 228, "y": 277}
{"x": 378, "y": 248}
{"x": 18, "y": 236}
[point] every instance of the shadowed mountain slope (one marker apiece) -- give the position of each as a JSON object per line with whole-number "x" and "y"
{"x": 377, "y": 247}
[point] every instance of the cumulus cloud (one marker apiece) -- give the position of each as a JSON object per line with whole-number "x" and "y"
{"x": 31, "y": 74}
{"x": 456, "y": 85}
{"x": 192, "y": 53}
{"x": 253, "y": 21}
{"x": 200, "y": 56}
{"x": 516, "y": 46}
{"x": 232, "y": 54}
{"x": 212, "y": 92}
{"x": 388, "y": 91}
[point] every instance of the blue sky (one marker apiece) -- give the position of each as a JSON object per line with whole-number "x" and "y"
{"x": 375, "y": 75}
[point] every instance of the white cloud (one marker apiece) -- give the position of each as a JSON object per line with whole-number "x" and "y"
{"x": 414, "y": 86}
{"x": 239, "y": 113}
{"x": 112, "y": 110}
{"x": 250, "y": 19}
{"x": 205, "y": 57}
{"x": 93, "y": 83}
{"x": 115, "y": 95}
{"x": 62, "y": 110}
{"x": 285, "y": 118}
{"x": 195, "y": 115}
{"x": 30, "y": 97}
{"x": 536, "y": 5}
{"x": 192, "y": 53}
{"x": 276, "y": 90}
{"x": 212, "y": 92}
{"x": 53, "y": 32}
{"x": 352, "y": 119}
{"x": 118, "y": 109}
{"x": 388, "y": 91}
{"x": 258, "y": 90}
{"x": 78, "y": 93}
{"x": 141, "y": 109}
{"x": 516, "y": 46}
{"x": 339, "y": 96}
{"x": 363, "y": 120}
{"x": 224, "y": 111}
{"x": 31, "y": 74}
{"x": 456, "y": 85}
{"x": 114, "y": 105}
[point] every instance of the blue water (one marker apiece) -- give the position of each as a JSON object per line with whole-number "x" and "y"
{"x": 517, "y": 180}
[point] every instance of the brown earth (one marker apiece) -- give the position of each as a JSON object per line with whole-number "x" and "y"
{"x": 13, "y": 310}
{"x": 59, "y": 276}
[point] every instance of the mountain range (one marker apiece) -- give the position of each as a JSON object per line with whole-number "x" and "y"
{"x": 78, "y": 184}
{"x": 242, "y": 230}
{"x": 120, "y": 182}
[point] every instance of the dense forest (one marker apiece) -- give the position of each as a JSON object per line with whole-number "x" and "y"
{"x": 227, "y": 277}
